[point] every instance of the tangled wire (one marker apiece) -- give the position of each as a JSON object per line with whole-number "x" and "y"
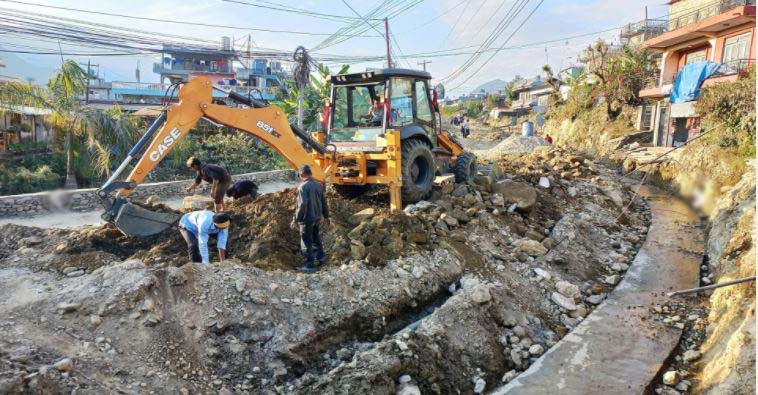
{"x": 302, "y": 69}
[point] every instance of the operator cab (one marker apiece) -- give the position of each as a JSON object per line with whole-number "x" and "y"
{"x": 364, "y": 105}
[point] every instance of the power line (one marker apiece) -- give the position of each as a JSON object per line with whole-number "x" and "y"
{"x": 504, "y": 43}
{"x": 279, "y": 7}
{"x": 169, "y": 20}
{"x": 434, "y": 18}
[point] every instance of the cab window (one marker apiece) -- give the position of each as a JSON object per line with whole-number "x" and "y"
{"x": 401, "y": 102}
{"x": 423, "y": 110}
{"x": 353, "y": 116}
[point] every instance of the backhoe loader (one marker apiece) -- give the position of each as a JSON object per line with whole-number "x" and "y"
{"x": 403, "y": 147}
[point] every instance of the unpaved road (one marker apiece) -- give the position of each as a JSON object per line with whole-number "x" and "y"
{"x": 75, "y": 219}
{"x": 451, "y": 296}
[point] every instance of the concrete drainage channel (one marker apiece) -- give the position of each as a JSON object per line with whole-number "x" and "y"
{"x": 362, "y": 324}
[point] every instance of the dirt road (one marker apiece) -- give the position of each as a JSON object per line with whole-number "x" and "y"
{"x": 75, "y": 219}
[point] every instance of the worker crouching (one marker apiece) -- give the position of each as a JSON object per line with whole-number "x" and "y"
{"x": 217, "y": 176}
{"x": 311, "y": 209}
{"x": 197, "y": 226}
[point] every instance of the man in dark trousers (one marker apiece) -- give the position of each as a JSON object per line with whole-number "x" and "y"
{"x": 217, "y": 176}
{"x": 241, "y": 189}
{"x": 311, "y": 208}
{"x": 197, "y": 226}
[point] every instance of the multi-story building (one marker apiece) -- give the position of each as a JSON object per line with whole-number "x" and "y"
{"x": 721, "y": 31}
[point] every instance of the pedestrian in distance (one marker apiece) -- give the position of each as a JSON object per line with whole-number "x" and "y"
{"x": 466, "y": 129}
{"x": 217, "y": 176}
{"x": 310, "y": 211}
{"x": 241, "y": 189}
{"x": 196, "y": 227}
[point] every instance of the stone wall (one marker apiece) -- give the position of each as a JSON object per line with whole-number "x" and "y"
{"x": 86, "y": 199}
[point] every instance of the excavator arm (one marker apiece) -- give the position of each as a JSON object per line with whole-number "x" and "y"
{"x": 267, "y": 123}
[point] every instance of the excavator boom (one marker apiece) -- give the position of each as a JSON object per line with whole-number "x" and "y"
{"x": 268, "y": 123}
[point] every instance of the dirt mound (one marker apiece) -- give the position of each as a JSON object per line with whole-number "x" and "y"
{"x": 513, "y": 144}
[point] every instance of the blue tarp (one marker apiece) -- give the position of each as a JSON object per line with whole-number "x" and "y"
{"x": 690, "y": 78}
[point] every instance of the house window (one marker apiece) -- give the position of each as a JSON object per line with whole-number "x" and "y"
{"x": 695, "y": 57}
{"x": 647, "y": 117}
{"x": 736, "y": 48}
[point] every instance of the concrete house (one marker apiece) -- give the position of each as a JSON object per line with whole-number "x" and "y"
{"x": 722, "y": 31}
{"x": 21, "y": 124}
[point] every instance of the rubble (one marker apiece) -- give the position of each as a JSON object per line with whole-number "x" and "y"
{"x": 451, "y": 294}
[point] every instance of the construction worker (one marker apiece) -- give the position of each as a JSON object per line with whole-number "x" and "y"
{"x": 217, "y": 176}
{"x": 241, "y": 189}
{"x": 197, "y": 226}
{"x": 311, "y": 208}
{"x": 375, "y": 114}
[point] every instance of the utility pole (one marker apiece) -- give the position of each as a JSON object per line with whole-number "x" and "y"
{"x": 86, "y": 93}
{"x": 387, "y": 41}
{"x": 249, "y": 65}
{"x": 424, "y": 63}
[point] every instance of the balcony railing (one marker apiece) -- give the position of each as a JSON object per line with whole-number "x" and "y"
{"x": 678, "y": 21}
{"x": 738, "y": 66}
{"x": 647, "y": 26}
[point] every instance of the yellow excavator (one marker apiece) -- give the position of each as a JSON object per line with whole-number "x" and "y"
{"x": 380, "y": 127}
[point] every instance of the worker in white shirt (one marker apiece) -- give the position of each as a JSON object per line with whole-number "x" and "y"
{"x": 197, "y": 226}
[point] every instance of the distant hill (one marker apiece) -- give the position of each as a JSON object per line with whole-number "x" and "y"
{"x": 491, "y": 86}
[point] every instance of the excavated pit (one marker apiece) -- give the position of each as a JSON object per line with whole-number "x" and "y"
{"x": 451, "y": 291}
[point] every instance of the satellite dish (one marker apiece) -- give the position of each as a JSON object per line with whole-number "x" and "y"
{"x": 440, "y": 91}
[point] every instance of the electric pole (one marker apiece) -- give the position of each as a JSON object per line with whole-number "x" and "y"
{"x": 387, "y": 42}
{"x": 424, "y": 63}
{"x": 86, "y": 92}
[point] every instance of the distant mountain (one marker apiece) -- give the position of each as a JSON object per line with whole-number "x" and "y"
{"x": 16, "y": 66}
{"x": 491, "y": 86}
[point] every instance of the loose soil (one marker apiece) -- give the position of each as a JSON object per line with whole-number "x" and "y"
{"x": 450, "y": 291}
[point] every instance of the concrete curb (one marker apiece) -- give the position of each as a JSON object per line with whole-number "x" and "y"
{"x": 620, "y": 348}
{"x": 86, "y": 199}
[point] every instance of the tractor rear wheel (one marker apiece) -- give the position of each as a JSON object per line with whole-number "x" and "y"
{"x": 418, "y": 170}
{"x": 351, "y": 191}
{"x": 465, "y": 167}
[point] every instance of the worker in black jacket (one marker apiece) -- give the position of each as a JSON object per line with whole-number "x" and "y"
{"x": 311, "y": 209}
{"x": 241, "y": 189}
{"x": 217, "y": 176}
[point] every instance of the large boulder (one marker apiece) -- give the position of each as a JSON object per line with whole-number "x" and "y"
{"x": 197, "y": 202}
{"x": 520, "y": 193}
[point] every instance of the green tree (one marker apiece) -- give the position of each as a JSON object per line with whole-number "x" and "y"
{"x": 79, "y": 127}
{"x": 110, "y": 136}
{"x": 317, "y": 91}
{"x": 620, "y": 74}
{"x": 492, "y": 101}
{"x": 474, "y": 108}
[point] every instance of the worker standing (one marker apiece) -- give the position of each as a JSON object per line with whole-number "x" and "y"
{"x": 311, "y": 208}
{"x": 197, "y": 226}
{"x": 217, "y": 176}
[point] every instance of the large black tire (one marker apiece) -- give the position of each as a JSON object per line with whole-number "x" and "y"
{"x": 418, "y": 170}
{"x": 351, "y": 191}
{"x": 465, "y": 167}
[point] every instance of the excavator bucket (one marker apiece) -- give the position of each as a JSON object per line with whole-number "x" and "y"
{"x": 134, "y": 220}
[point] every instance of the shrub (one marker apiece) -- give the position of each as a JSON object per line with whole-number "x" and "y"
{"x": 728, "y": 109}
{"x": 15, "y": 180}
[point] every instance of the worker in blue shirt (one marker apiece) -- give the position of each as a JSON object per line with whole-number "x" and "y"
{"x": 197, "y": 226}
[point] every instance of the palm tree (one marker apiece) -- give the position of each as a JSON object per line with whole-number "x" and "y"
{"x": 61, "y": 99}
{"x": 108, "y": 133}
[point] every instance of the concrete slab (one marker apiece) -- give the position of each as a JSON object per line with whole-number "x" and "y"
{"x": 619, "y": 349}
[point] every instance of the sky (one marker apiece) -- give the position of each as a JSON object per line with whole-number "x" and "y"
{"x": 431, "y": 25}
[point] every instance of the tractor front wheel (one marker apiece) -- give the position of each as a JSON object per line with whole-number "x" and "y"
{"x": 465, "y": 167}
{"x": 418, "y": 170}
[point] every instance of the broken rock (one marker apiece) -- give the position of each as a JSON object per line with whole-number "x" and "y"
{"x": 567, "y": 289}
{"x": 520, "y": 193}
{"x": 563, "y": 301}
{"x": 481, "y": 294}
{"x": 530, "y": 247}
{"x": 362, "y": 215}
